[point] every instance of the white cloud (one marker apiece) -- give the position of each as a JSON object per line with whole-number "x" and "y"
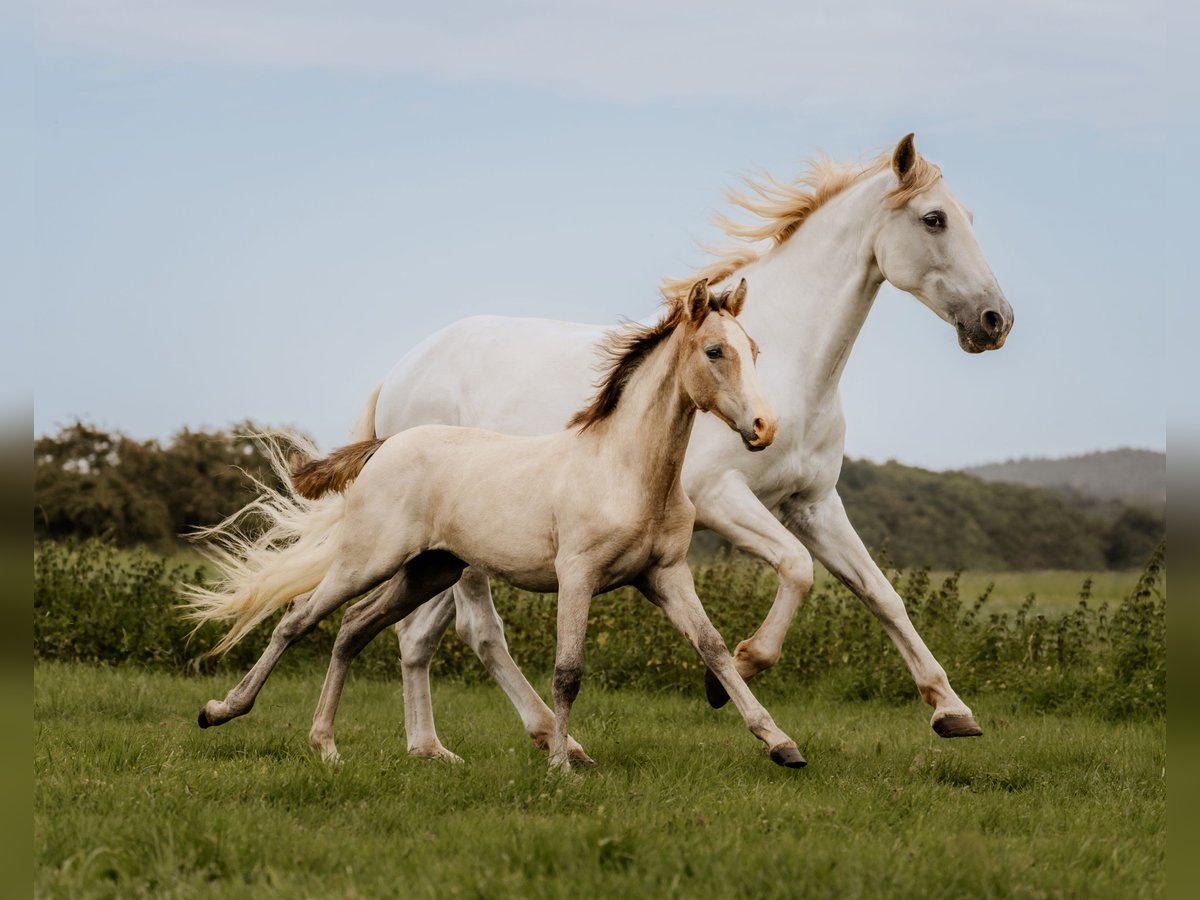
{"x": 1078, "y": 64}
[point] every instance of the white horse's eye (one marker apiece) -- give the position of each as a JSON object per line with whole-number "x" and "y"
{"x": 935, "y": 220}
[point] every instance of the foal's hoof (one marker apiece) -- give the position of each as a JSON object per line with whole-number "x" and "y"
{"x": 202, "y": 719}
{"x": 714, "y": 690}
{"x": 957, "y": 726}
{"x": 788, "y": 757}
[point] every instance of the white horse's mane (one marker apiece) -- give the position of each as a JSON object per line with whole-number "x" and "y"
{"x": 782, "y": 207}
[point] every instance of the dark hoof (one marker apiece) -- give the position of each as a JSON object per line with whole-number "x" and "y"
{"x": 957, "y": 726}
{"x": 714, "y": 690}
{"x": 202, "y": 720}
{"x": 789, "y": 757}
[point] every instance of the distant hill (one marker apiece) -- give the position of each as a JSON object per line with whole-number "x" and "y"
{"x": 1131, "y": 477}
{"x": 952, "y": 519}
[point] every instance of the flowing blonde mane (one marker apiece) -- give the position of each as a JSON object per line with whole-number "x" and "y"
{"x": 782, "y": 208}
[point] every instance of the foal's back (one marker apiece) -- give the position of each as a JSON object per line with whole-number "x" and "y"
{"x": 493, "y": 500}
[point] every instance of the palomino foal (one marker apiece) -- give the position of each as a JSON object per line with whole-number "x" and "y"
{"x": 581, "y": 511}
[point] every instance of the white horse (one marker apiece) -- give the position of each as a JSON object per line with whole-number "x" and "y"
{"x": 828, "y": 242}
{"x": 580, "y": 512}
{"x": 815, "y": 260}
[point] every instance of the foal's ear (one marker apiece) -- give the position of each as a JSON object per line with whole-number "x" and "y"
{"x": 697, "y": 303}
{"x": 737, "y": 300}
{"x": 904, "y": 157}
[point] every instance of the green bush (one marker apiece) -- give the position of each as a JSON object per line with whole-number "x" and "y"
{"x": 95, "y": 603}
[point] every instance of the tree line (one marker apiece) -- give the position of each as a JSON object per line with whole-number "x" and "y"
{"x": 89, "y": 482}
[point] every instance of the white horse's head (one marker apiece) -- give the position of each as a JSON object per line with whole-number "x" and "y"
{"x": 926, "y": 246}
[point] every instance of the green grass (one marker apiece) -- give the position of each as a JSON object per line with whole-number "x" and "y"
{"x": 132, "y": 799}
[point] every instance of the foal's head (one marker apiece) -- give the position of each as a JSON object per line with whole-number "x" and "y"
{"x": 716, "y": 365}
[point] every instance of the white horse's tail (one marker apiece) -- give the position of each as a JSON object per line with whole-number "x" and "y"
{"x": 364, "y": 429}
{"x": 271, "y": 551}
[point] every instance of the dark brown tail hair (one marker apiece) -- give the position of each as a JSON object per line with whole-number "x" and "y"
{"x": 313, "y": 478}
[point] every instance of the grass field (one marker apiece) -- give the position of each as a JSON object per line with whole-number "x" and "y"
{"x": 132, "y": 799}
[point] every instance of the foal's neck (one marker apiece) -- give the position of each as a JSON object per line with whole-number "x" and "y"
{"x": 648, "y": 432}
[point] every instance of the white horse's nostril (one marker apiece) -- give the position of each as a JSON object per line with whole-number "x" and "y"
{"x": 992, "y": 321}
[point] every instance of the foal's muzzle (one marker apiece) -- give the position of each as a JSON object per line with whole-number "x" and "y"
{"x": 760, "y": 435}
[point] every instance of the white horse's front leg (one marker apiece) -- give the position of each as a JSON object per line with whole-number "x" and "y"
{"x": 733, "y": 511}
{"x": 829, "y": 534}
{"x": 674, "y": 591}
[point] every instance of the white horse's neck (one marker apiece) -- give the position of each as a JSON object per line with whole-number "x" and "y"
{"x": 810, "y": 296}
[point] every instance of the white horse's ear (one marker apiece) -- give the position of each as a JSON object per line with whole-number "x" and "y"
{"x": 738, "y": 300}
{"x": 698, "y": 300}
{"x": 904, "y": 157}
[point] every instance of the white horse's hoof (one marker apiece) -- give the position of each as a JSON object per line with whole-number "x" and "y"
{"x": 438, "y": 753}
{"x": 788, "y": 756}
{"x": 214, "y": 712}
{"x": 954, "y": 725}
{"x": 326, "y": 749}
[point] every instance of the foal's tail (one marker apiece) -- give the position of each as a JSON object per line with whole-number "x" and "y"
{"x": 269, "y": 552}
{"x": 314, "y": 478}
{"x": 272, "y": 550}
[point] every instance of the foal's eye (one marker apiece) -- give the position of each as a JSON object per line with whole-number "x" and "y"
{"x": 713, "y": 353}
{"x": 936, "y": 220}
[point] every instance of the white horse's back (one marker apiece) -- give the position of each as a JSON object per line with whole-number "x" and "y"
{"x": 490, "y": 372}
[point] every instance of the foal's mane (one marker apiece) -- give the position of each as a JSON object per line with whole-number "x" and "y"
{"x": 783, "y": 207}
{"x": 626, "y": 348}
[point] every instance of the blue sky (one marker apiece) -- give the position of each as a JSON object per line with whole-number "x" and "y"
{"x": 253, "y": 209}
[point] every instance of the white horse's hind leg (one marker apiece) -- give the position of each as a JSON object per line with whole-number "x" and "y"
{"x": 480, "y": 627}
{"x": 674, "y": 591}
{"x": 732, "y": 510}
{"x": 833, "y": 539}
{"x": 408, "y": 588}
{"x": 338, "y": 586}
{"x": 419, "y": 634}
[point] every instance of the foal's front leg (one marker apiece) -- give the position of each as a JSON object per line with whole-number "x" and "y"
{"x": 673, "y": 589}
{"x": 574, "y": 600}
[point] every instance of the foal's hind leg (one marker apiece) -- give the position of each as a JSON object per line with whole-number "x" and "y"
{"x": 338, "y": 586}
{"x": 419, "y": 580}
